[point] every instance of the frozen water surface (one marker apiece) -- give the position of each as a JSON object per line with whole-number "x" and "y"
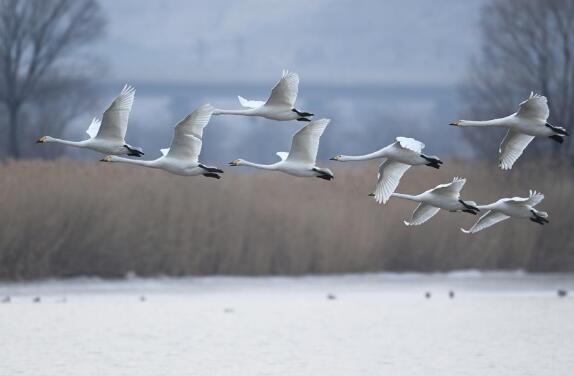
{"x": 378, "y": 324}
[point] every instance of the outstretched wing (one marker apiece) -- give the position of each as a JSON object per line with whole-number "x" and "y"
{"x": 115, "y": 120}
{"x": 92, "y": 130}
{"x": 186, "y": 147}
{"x": 410, "y": 144}
{"x": 195, "y": 121}
{"x": 534, "y": 198}
{"x": 453, "y": 188}
{"x": 511, "y": 148}
{"x": 285, "y": 92}
{"x": 536, "y": 106}
{"x": 186, "y": 143}
{"x": 390, "y": 173}
{"x": 422, "y": 213}
{"x": 490, "y": 218}
{"x": 282, "y": 154}
{"x": 249, "y": 104}
{"x": 305, "y": 142}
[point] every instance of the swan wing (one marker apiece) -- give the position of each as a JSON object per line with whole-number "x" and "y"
{"x": 92, "y": 130}
{"x": 305, "y": 142}
{"x": 534, "y": 198}
{"x": 186, "y": 142}
{"x": 285, "y": 92}
{"x": 454, "y": 187}
{"x": 422, "y": 213}
{"x": 512, "y": 147}
{"x": 249, "y": 104}
{"x": 390, "y": 173}
{"x": 410, "y": 144}
{"x": 536, "y": 106}
{"x": 282, "y": 154}
{"x": 491, "y": 217}
{"x": 115, "y": 120}
{"x": 185, "y": 147}
{"x": 195, "y": 122}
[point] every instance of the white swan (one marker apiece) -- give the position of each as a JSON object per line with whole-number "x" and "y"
{"x": 182, "y": 157}
{"x": 443, "y": 196}
{"x": 518, "y": 207}
{"x": 398, "y": 158}
{"x": 107, "y": 136}
{"x": 279, "y": 106}
{"x": 300, "y": 161}
{"x": 531, "y": 120}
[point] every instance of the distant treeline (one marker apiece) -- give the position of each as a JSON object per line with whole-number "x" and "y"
{"x": 65, "y": 218}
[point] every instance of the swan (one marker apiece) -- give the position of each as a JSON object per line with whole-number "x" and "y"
{"x": 531, "y": 120}
{"x": 300, "y": 161}
{"x": 107, "y": 136}
{"x": 518, "y": 207}
{"x": 398, "y": 157}
{"x": 182, "y": 157}
{"x": 279, "y": 106}
{"x": 443, "y": 196}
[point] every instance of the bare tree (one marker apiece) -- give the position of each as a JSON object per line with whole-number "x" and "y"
{"x": 527, "y": 45}
{"x": 37, "y": 44}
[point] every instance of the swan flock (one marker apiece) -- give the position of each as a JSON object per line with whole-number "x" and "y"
{"x": 107, "y": 136}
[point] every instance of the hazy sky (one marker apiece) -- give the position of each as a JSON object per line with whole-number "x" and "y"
{"x": 350, "y": 41}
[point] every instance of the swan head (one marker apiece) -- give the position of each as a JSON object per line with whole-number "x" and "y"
{"x": 42, "y": 140}
{"x": 107, "y": 158}
{"x": 336, "y": 158}
{"x": 236, "y": 162}
{"x": 457, "y": 123}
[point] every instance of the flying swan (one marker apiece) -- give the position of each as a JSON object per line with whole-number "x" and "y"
{"x": 279, "y": 106}
{"x": 182, "y": 157}
{"x": 443, "y": 196}
{"x": 518, "y": 207}
{"x": 300, "y": 161}
{"x": 531, "y": 120}
{"x": 398, "y": 157}
{"x": 107, "y": 136}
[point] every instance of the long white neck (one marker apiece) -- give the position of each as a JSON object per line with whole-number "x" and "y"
{"x": 261, "y": 166}
{"x": 406, "y": 197}
{"x": 247, "y": 112}
{"x": 501, "y": 122}
{"x": 374, "y": 155}
{"x": 139, "y": 162}
{"x": 77, "y": 144}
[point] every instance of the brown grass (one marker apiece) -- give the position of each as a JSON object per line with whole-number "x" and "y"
{"x": 66, "y": 218}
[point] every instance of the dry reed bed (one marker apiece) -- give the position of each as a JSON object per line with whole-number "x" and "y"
{"x": 66, "y": 218}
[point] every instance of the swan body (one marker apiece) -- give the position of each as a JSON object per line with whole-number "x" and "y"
{"x": 517, "y": 207}
{"x": 182, "y": 158}
{"x": 301, "y": 159}
{"x": 108, "y": 135}
{"x": 279, "y": 106}
{"x": 398, "y": 157}
{"x": 443, "y": 196}
{"x": 528, "y": 122}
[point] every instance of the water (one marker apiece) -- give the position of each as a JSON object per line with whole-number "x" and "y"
{"x": 497, "y": 324}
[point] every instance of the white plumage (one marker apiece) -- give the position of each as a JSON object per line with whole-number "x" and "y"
{"x": 517, "y": 207}
{"x": 301, "y": 159}
{"x": 279, "y": 106}
{"x": 397, "y": 159}
{"x": 108, "y": 135}
{"x": 528, "y": 122}
{"x": 182, "y": 157}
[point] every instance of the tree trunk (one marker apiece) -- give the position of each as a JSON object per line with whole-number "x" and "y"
{"x": 14, "y": 145}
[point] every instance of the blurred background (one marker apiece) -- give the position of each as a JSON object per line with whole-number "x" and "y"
{"x": 377, "y": 69}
